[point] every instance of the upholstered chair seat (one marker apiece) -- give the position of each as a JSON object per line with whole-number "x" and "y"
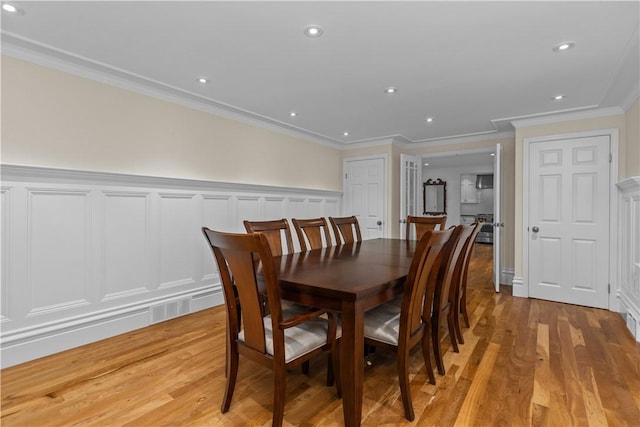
{"x": 298, "y": 340}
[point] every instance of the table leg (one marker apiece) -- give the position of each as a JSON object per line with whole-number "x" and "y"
{"x": 352, "y": 362}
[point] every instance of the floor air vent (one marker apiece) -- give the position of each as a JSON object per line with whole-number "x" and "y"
{"x": 170, "y": 310}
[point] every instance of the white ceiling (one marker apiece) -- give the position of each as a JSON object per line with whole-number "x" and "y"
{"x": 473, "y": 66}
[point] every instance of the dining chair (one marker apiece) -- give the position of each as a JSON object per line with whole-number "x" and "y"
{"x": 399, "y": 325}
{"x": 273, "y": 341}
{"x": 439, "y": 308}
{"x": 424, "y": 223}
{"x": 346, "y": 228}
{"x": 459, "y": 285}
{"x": 312, "y": 231}
{"x": 274, "y": 231}
{"x": 278, "y": 234}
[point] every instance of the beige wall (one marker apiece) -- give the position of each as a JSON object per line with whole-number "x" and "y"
{"x": 632, "y": 157}
{"x": 601, "y": 123}
{"x": 54, "y": 119}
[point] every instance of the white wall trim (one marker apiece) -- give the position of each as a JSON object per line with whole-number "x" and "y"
{"x": 88, "y": 255}
{"x": 567, "y": 116}
{"x": 518, "y": 288}
{"x": 628, "y": 267}
{"x": 507, "y": 275}
{"x": 47, "y": 174}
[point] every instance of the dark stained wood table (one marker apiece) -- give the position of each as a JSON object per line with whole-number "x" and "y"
{"x": 349, "y": 279}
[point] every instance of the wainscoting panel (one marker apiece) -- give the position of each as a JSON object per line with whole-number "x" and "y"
{"x": 88, "y": 255}
{"x": 629, "y": 253}
{"x": 58, "y": 236}
{"x": 125, "y": 244}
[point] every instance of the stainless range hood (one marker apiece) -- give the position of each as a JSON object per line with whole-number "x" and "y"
{"x": 484, "y": 181}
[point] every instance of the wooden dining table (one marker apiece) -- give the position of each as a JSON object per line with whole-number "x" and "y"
{"x": 349, "y": 279}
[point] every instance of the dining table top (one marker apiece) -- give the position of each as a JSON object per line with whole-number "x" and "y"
{"x": 349, "y": 271}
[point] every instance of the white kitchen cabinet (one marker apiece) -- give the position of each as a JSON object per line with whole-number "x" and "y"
{"x": 468, "y": 192}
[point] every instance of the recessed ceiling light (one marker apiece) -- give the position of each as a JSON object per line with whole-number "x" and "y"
{"x": 426, "y": 164}
{"x": 313, "y": 30}
{"x": 429, "y": 119}
{"x": 7, "y": 7}
{"x": 345, "y": 133}
{"x": 202, "y": 80}
{"x": 390, "y": 90}
{"x": 493, "y": 154}
{"x": 293, "y": 114}
{"x": 558, "y": 97}
{"x": 561, "y": 47}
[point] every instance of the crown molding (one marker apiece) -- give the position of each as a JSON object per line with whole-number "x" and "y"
{"x": 565, "y": 117}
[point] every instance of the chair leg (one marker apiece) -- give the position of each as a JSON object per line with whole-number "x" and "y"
{"x": 426, "y": 354}
{"x": 279, "y": 388}
{"x": 330, "y": 373}
{"x": 305, "y": 367}
{"x": 456, "y": 321}
{"x": 452, "y": 331}
{"x": 463, "y": 307}
{"x": 405, "y": 391}
{"x": 232, "y": 375}
{"x": 435, "y": 340}
{"x": 335, "y": 362}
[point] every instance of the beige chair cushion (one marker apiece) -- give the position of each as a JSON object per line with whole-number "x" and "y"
{"x": 298, "y": 340}
{"x": 383, "y": 322}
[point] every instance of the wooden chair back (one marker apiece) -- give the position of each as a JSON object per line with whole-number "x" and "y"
{"x": 424, "y": 223}
{"x": 439, "y": 307}
{"x": 421, "y": 279}
{"x": 459, "y": 284}
{"x": 311, "y": 233}
{"x": 346, "y": 228}
{"x": 235, "y": 255}
{"x": 274, "y": 231}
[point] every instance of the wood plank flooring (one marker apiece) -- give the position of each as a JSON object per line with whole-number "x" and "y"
{"x": 525, "y": 362}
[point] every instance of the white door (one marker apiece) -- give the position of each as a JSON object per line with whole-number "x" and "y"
{"x": 568, "y": 227}
{"x": 497, "y": 215}
{"x": 410, "y": 178}
{"x": 364, "y": 194}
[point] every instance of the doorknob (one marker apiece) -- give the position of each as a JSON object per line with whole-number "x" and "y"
{"x": 379, "y": 222}
{"x": 535, "y": 229}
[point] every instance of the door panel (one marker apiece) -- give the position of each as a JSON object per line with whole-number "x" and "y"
{"x": 497, "y": 216}
{"x": 410, "y": 178}
{"x": 569, "y": 220}
{"x": 364, "y": 195}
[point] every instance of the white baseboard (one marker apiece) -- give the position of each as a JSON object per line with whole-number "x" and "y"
{"x": 24, "y": 345}
{"x": 631, "y": 314}
{"x": 506, "y": 276}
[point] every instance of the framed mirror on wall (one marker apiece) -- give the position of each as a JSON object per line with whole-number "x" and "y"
{"x": 434, "y": 197}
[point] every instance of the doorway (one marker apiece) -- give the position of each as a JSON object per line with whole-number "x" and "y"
{"x": 473, "y": 180}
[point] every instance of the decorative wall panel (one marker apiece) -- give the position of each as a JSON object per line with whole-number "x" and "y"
{"x": 87, "y": 255}
{"x": 629, "y": 253}
{"x": 125, "y": 244}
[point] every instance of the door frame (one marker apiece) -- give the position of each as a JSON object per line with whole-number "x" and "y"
{"x": 613, "y": 206}
{"x": 385, "y": 187}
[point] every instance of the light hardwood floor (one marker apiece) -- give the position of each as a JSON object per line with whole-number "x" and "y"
{"x": 525, "y": 362}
